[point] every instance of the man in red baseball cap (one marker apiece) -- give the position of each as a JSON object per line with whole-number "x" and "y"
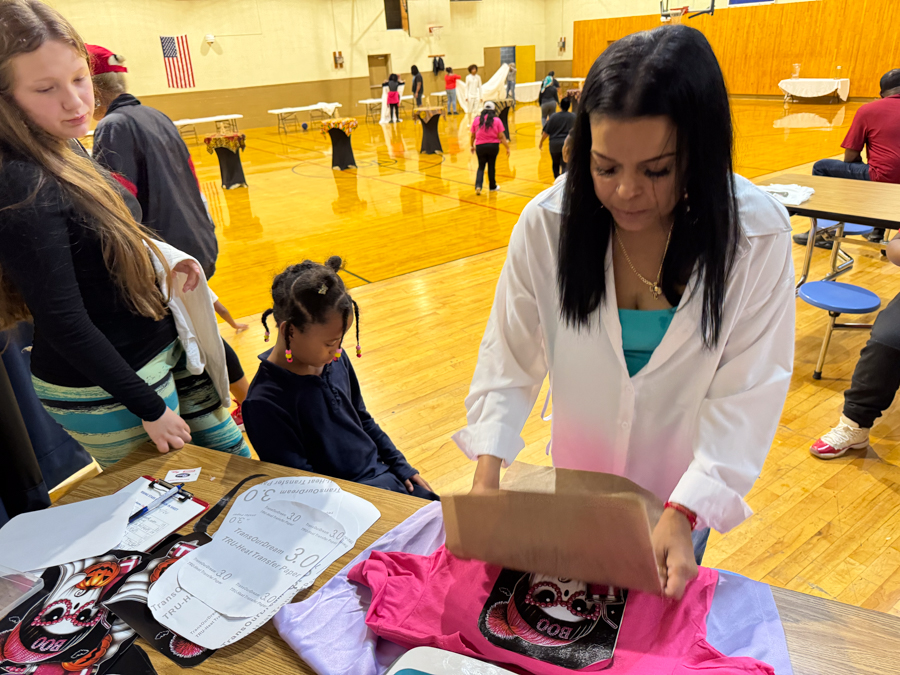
{"x": 143, "y": 148}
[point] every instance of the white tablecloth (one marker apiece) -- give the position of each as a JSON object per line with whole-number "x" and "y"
{"x": 528, "y": 92}
{"x": 808, "y": 87}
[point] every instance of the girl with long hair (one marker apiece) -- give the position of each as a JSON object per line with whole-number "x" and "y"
{"x": 106, "y": 362}
{"x": 657, "y": 289}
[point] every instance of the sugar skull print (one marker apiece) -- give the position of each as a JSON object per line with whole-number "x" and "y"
{"x": 560, "y": 621}
{"x": 68, "y": 627}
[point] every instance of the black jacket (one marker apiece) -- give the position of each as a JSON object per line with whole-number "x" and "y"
{"x": 319, "y": 424}
{"x": 143, "y": 146}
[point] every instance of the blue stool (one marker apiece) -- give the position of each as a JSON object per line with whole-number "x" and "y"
{"x": 850, "y": 229}
{"x": 834, "y": 230}
{"x": 837, "y": 299}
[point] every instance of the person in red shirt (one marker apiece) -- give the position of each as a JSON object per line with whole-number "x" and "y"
{"x": 876, "y": 127}
{"x": 450, "y": 79}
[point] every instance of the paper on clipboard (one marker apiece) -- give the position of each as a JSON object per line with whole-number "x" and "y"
{"x": 147, "y": 531}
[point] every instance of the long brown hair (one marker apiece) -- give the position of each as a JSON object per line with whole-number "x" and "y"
{"x": 25, "y": 25}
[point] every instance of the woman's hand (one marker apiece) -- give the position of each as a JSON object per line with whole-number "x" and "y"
{"x": 193, "y": 271}
{"x": 472, "y": 149}
{"x": 674, "y": 553}
{"x": 507, "y": 151}
{"x": 169, "y": 432}
{"x": 417, "y": 480}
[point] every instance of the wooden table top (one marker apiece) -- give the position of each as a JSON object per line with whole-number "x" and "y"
{"x": 854, "y": 201}
{"x": 823, "y": 636}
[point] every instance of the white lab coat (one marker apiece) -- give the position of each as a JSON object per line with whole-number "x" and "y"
{"x": 195, "y": 321}
{"x": 694, "y": 425}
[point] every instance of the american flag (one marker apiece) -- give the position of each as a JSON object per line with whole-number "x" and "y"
{"x": 177, "y": 57}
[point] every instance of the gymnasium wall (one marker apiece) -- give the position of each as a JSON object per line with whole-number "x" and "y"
{"x": 278, "y": 53}
{"x": 756, "y": 45}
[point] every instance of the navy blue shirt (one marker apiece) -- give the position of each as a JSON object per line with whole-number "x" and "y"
{"x": 319, "y": 424}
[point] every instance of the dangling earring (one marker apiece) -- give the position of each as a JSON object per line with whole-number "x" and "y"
{"x": 288, "y": 355}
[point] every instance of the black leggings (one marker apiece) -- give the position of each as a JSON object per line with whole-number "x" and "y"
{"x": 559, "y": 166}
{"x": 233, "y": 363}
{"x": 487, "y": 155}
{"x": 876, "y": 377}
{"x": 395, "y": 111}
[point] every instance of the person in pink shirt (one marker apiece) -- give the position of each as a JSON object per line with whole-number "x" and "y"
{"x": 486, "y": 137}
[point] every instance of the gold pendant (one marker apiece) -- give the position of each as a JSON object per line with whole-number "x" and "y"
{"x": 656, "y": 290}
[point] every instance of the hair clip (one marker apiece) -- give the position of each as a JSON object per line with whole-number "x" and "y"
{"x": 337, "y": 355}
{"x": 323, "y": 289}
{"x": 358, "y": 352}
{"x": 266, "y": 337}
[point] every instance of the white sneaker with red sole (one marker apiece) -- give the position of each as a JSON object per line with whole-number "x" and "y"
{"x": 847, "y": 435}
{"x": 238, "y": 416}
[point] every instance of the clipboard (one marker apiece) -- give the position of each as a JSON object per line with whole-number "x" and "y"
{"x": 147, "y": 531}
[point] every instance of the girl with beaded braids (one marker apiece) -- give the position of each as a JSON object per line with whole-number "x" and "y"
{"x": 305, "y": 408}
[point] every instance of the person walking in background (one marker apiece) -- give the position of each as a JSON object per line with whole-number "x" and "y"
{"x": 418, "y": 85}
{"x": 450, "y": 80}
{"x": 393, "y": 83}
{"x": 486, "y": 137}
{"x": 556, "y": 130}
{"x": 511, "y": 83}
{"x": 473, "y": 90}
{"x": 548, "y": 98}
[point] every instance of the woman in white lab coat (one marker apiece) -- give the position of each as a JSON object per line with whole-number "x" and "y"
{"x": 657, "y": 289}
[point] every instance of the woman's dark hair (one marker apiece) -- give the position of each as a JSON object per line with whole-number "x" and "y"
{"x": 473, "y": 67}
{"x": 414, "y": 70}
{"x": 669, "y": 71}
{"x": 486, "y": 119}
{"x": 309, "y": 293}
{"x": 449, "y": 69}
{"x": 393, "y": 77}
{"x": 552, "y": 73}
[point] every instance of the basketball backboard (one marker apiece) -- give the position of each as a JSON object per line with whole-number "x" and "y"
{"x": 677, "y": 10}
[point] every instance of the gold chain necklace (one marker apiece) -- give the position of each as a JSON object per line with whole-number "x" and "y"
{"x": 655, "y": 288}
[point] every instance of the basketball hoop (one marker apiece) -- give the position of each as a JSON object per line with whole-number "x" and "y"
{"x": 435, "y": 32}
{"x": 674, "y": 16}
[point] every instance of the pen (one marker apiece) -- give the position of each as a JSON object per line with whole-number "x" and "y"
{"x": 156, "y": 503}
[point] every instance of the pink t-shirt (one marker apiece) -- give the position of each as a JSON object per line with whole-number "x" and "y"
{"x": 543, "y": 625}
{"x": 489, "y": 134}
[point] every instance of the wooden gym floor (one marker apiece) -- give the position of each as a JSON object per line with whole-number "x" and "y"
{"x": 423, "y": 254}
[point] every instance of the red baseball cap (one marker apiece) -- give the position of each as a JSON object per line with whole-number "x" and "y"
{"x": 104, "y": 61}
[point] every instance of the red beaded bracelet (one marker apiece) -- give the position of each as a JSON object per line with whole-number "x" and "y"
{"x": 686, "y": 512}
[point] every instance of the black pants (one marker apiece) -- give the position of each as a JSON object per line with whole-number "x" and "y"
{"x": 388, "y": 481}
{"x": 876, "y": 377}
{"x": 395, "y": 111}
{"x": 232, "y": 363}
{"x": 556, "y": 154}
{"x": 487, "y": 155}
